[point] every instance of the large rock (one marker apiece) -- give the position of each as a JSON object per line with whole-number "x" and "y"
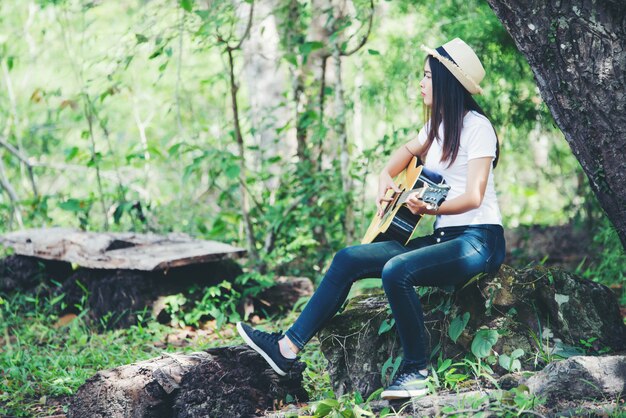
{"x": 221, "y": 382}
{"x": 581, "y": 377}
{"x": 540, "y": 310}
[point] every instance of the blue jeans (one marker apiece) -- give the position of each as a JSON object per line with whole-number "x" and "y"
{"x": 449, "y": 257}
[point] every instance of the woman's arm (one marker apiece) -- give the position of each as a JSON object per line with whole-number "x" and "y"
{"x": 476, "y": 183}
{"x": 401, "y": 158}
{"x": 397, "y": 162}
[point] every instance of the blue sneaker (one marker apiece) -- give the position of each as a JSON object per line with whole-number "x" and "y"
{"x": 266, "y": 345}
{"x": 407, "y": 384}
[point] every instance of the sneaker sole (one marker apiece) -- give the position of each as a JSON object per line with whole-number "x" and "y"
{"x": 403, "y": 394}
{"x": 256, "y": 348}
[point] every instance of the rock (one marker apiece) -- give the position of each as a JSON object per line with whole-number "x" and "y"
{"x": 431, "y": 405}
{"x": 226, "y": 381}
{"x": 539, "y": 310}
{"x": 581, "y": 377}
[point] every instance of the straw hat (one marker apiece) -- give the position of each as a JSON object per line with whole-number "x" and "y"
{"x": 465, "y": 65}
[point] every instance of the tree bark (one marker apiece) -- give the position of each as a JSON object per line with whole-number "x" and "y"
{"x": 220, "y": 382}
{"x": 577, "y": 51}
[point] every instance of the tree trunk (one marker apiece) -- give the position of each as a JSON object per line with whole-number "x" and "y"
{"x": 577, "y": 51}
{"x": 220, "y": 382}
{"x": 265, "y": 79}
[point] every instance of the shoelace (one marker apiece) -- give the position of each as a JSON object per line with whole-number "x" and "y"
{"x": 409, "y": 377}
{"x": 274, "y": 336}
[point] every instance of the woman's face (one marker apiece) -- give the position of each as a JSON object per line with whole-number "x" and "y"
{"x": 426, "y": 85}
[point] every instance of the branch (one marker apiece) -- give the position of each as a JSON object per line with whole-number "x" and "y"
{"x": 24, "y": 160}
{"x": 4, "y": 182}
{"x": 221, "y": 39}
{"x": 14, "y": 151}
{"x": 247, "y": 32}
{"x": 364, "y": 39}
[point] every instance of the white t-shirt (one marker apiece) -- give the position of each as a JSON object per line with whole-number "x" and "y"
{"x": 478, "y": 140}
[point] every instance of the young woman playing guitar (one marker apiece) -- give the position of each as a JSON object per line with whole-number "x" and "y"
{"x": 459, "y": 143}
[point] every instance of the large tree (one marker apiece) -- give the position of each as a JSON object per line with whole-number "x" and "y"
{"x": 577, "y": 51}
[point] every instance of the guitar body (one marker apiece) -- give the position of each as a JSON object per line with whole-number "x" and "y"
{"x": 397, "y": 222}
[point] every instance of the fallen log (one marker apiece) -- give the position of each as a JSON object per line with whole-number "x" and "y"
{"x": 221, "y": 382}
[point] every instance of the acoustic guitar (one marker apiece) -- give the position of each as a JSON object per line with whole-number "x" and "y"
{"x": 397, "y": 222}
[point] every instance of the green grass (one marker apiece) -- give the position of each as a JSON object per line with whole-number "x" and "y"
{"x": 40, "y": 361}
{"x": 37, "y": 359}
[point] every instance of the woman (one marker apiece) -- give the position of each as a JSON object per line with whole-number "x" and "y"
{"x": 467, "y": 240}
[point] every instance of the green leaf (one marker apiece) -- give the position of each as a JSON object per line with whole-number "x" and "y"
{"x": 373, "y": 52}
{"x": 444, "y": 366}
{"x": 517, "y": 353}
{"x": 70, "y": 153}
{"x": 307, "y": 47}
{"x": 325, "y": 407}
{"x": 232, "y": 171}
{"x": 141, "y": 38}
{"x": 291, "y": 58}
{"x": 360, "y": 412}
{"x": 386, "y": 325}
{"x": 506, "y": 363}
{"x": 457, "y": 326}
{"x": 187, "y": 5}
{"x": 157, "y": 52}
{"x": 57, "y": 299}
{"x": 358, "y": 398}
{"x": 72, "y": 205}
{"x": 374, "y": 395}
{"x": 483, "y": 342}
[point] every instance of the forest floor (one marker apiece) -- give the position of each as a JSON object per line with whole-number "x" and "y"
{"x": 46, "y": 358}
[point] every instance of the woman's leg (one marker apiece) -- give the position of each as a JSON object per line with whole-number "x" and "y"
{"x": 349, "y": 264}
{"x": 442, "y": 264}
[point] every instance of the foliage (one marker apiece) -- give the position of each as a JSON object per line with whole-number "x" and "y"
{"x": 220, "y": 302}
{"x": 40, "y": 358}
{"x": 123, "y": 112}
{"x": 457, "y": 326}
{"x": 608, "y": 267}
{"x": 511, "y": 362}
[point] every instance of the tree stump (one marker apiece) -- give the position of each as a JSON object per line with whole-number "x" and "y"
{"x": 19, "y": 273}
{"x": 220, "y": 382}
{"x": 119, "y": 296}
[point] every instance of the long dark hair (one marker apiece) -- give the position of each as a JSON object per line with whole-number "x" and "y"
{"x": 450, "y": 102}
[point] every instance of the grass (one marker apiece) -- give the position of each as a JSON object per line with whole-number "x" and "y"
{"x": 42, "y": 363}
{"x": 40, "y": 359}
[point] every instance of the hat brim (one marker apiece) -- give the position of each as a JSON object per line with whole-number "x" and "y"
{"x": 465, "y": 80}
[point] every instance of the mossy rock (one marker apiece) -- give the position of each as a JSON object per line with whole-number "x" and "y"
{"x": 539, "y": 310}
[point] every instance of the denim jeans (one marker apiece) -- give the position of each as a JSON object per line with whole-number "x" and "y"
{"x": 449, "y": 257}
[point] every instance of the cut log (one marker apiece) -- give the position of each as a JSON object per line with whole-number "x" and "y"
{"x": 130, "y": 251}
{"x": 30, "y": 275}
{"x": 119, "y": 295}
{"x": 280, "y": 297}
{"x": 221, "y": 382}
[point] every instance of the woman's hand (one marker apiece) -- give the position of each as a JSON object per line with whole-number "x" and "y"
{"x": 417, "y": 206}
{"x": 385, "y": 182}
